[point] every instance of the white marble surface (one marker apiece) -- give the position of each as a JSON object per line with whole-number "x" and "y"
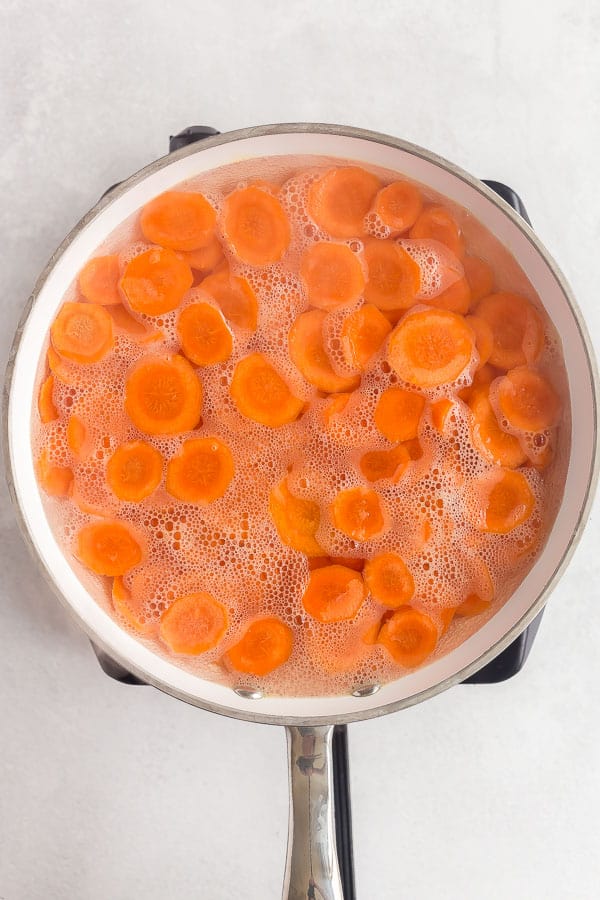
{"x": 110, "y": 792}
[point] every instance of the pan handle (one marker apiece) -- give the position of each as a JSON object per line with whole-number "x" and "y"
{"x": 311, "y": 871}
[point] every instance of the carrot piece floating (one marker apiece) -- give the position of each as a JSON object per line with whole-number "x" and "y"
{"x": 399, "y": 205}
{"x": 156, "y": 281}
{"x": 456, "y": 298}
{"x": 205, "y": 259}
{"x": 340, "y": 199}
{"x": 517, "y": 328}
{"x": 82, "y": 332}
{"x": 409, "y": 636}
{"x": 201, "y": 472}
{"x": 256, "y": 226}
{"x": 351, "y": 562}
{"x": 193, "y": 624}
{"x": 446, "y": 616}
{"x": 398, "y": 414}
{"x": 134, "y": 471}
{"x": 482, "y": 378}
{"x": 235, "y": 298}
{"x": 414, "y": 448}
{"x": 261, "y": 394}
{"x": 528, "y": 401}
{"x": 163, "y": 395}
{"x": 179, "y": 220}
{"x": 363, "y": 333}
{"x": 430, "y": 348}
{"x": 440, "y": 410}
{"x": 46, "y": 408}
{"x": 377, "y": 464}
{"x": 336, "y": 405}
{"x": 108, "y": 548}
{"x": 307, "y": 352}
{"x": 473, "y": 605}
{"x": 506, "y": 500}
{"x": 394, "y": 277}
{"x": 488, "y": 437}
{"x": 204, "y": 337}
{"x": 484, "y": 338}
{"x": 124, "y": 321}
{"x": 63, "y": 370}
{"x": 99, "y": 280}
{"x": 57, "y": 481}
{"x": 438, "y": 224}
{"x": 389, "y": 580}
{"x": 296, "y": 519}
{"x": 357, "y": 513}
{"x": 334, "y": 594}
{"x": 332, "y": 274}
{"x": 130, "y": 609}
{"x": 76, "y": 435}
{"x": 265, "y": 646}
{"x": 480, "y": 276}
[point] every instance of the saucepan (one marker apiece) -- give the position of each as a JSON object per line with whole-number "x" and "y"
{"x": 312, "y": 867}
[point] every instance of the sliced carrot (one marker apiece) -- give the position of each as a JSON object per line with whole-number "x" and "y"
{"x": 506, "y": 500}
{"x": 46, "y": 408}
{"x": 256, "y": 226}
{"x": 317, "y": 562}
{"x": 473, "y": 605}
{"x": 480, "y": 276}
{"x": 179, "y": 220}
{"x": 409, "y": 636}
{"x": 482, "y": 378}
{"x": 484, "y": 338}
{"x": 377, "y": 464}
{"x": 351, "y": 562}
{"x": 134, "y": 471}
{"x": 340, "y": 199}
{"x": 334, "y": 594}
{"x": 394, "y": 277}
{"x": 389, "y": 580}
{"x": 130, "y": 609}
{"x": 235, "y": 298}
{"x": 204, "y": 337}
{"x": 261, "y": 394}
{"x": 57, "y": 481}
{"x": 438, "y": 224}
{"x": 108, "y": 548}
{"x": 156, "y": 281}
{"x": 82, "y": 332}
{"x": 446, "y": 617}
{"x": 76, "y": 435}
{"x": 517, "y": 328}
{"x": 332, "y": 275}
{"x": 99, "y": 280}
{"x": 61, "y": 368}
{"x": 205, "y": 259}
{"x": 308, "y": 353}
{"x": 488, "y": 437}
{"x": 528, "y": 401}
{"x": 163, "y": 395}
{"x": 193, "y": 624}
{"x": 124, "y": 321}
{"x": 296, "y": 519}
{"x": 414, "y": 448}
{"x": 456, "y": 298}
{"x": 440, "y": 410}
{"x": 363, "y": 333}
{"x": 357, "y": 513}
{"x": 398, "y": 414}
{"x": 265, "y": 646}
{"x": 399, "y": 205}
{"x": 201, "y": 472}
{"x": 336, "y": 405}
{"x": 430, "y": 347}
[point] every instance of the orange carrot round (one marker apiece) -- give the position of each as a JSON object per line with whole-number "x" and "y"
{"x": 480, "y": 276}
{"x": 334, "y": 594}
{"x": 76, "y": 435}
{"x": 430, "y": 348}
{"x": 389, "y": 580}
{"x": 156, "y": 281}
{"x": 129, "y": 608}
{"x": 261, "y": 394}
{"x": 99, "y": 280}
{"x": 204, "y": 337}
{"x": 124, "y": 321}
{"x": 438, "y": 224}
{"x": 56, "y": 481}
{"x": 399, "y": 205}
{"x": 488, "y": 437}
{"x": 82, "y": 332}
{"x": 506, "y": 500}
{"x": 340, "y": 199}
{"x": 409, "y": 636}
{"x": 394, "y": 278}
{"x": 440, "y": 410}
{"x": 134, "y": 471}
{"x": 46, "y": 408}
{"x": 201, "y": 472}
{"x": 336, "y": 404}
{"x": 363, "y": 333}
{"x": 265, "y": 646}
{"x": 357, "y": 513}
{"x": 256, "y": 226}
{"x": 205, "y": 259}
{"x": 456, "y": 298}
{"x": 193, "y": 624}
{"x": 484, "y": 338}
{"x": 528, "y": 401}
{"x": 235, "y": 298}
{"x": 295, "y": 519}
{"x": 108, "y": 548}
{"x": 307, "y": 352}
{"x": 398, "y": 414}
{"x": 179, "y": 220}
{"x": 377, "y": 464}
{"x": 163, "y": 395}
{"x": 332, "y": 275}
{"x": 517, "y": 328}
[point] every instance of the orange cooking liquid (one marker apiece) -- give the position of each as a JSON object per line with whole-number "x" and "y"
{"x": 328, "y": 437}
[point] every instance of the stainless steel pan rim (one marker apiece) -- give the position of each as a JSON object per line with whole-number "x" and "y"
{"x": 254, "y": 714}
